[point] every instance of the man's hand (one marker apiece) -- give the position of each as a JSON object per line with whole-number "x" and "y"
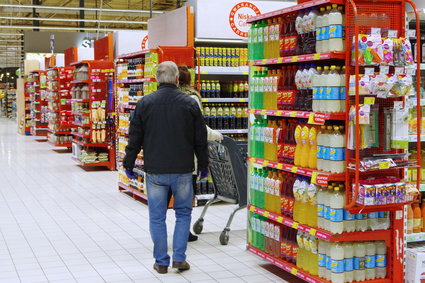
{"x": 202, "y": 174}
{"x": 130, "y": 174}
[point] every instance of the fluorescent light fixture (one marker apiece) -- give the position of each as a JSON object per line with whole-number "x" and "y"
{"x": 131, "y": 11}
{"x": 74, "y": 20}
{"x": 63, "y": 28}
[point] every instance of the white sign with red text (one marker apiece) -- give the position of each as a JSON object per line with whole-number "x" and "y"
{"x": 226, "y": 19}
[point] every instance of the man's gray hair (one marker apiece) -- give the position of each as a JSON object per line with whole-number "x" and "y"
{"x": 167, "y": 72}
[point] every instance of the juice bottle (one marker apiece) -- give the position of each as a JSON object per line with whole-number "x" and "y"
{"x": 299, "y": 86}
{"x": 312, "y": 156}
{"x": 337, "y": 151}
{"x": 349, "y": 262}
{"x": 253, "y": 91}
{"x": 299, "y": 28}
{"x": 342, "y": 89}
{"x": 322, "y": 81}
{"x": 328, "y": 272}
{"x": 226, "y": 117}
{"x": 370, "y": 261}
{"x": 303, "y": 204}
{"x": 220, "y": 113}
{"x": 252, "y": 140}
{"x": 267, "y": 38}
{"x": 239, "y": 117}
{"x": 267, "y": 187}
{"x": 252, "y": 186}
{"x": 300, "y": 256}
{"x": 327, "y": 149}
{"x": 417, "y": 218}
{"x": 213, "y": 117}
{"x": 232, "y": 118}
{"x": 207, "y": 113}
{"x": 337, "y": 263}
{"x": 335, "y": 29}
{"x": 361, "y": 222}
{"x": 423, "y": 215}
{"x": 266, "y": 90}
{"x": 381, "y": 259}
{"x": 260, "y": 36}
{"x": 320, "y": 145}
{"x": 250, "y": 41}
{"x": 299, "y": 146}
{"x": 283, "y": 49}
{"x": 359, "y": 261}
{"x": 409, "y": 219}
{"x": 327, "y": 208}
{"x": 297, "y": 198}
{"x": 320, "y": 206}
{"x": 244, "y": 116}
{"x": 312, "y": 205}
{"x": 274, "y": 88}
{"x": 325, "y": 30}
{"x": 336, "y": 211}
{"x": 319, "y": 35}
{"x": 278, "y": 181}
{"x": 333, "y": 82}
{"x": 321, "y": 259}
{"x": 305, "y": 149}
{"x": 273, "y": 34}
{"x": 261, "y": 82}
{"x": 255, "y": 41}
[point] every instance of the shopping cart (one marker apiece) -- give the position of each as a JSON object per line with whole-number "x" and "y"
{"x": 229, "y": 173}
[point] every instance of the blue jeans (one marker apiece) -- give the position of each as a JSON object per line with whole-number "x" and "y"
{"x": 157, "y": 189}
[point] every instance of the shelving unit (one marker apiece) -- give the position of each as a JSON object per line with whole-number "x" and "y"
{"x": 36, "y": 87}
{"x": 348, "y": 180}
{"x": 61, "y": 120}
{"x": 27, "y": 98}
{"x": 415, "y": 237}
{"x": 11, "y": 103}
{"x": 93, "y": 108}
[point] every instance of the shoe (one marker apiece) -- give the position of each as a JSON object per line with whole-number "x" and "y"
{"x": 192, "y": 238}
{"x": 181, "y": 265}
{"x": 161, "y": 269}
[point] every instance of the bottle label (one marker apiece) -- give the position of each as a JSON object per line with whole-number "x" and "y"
{"x": 381, "y": 260}
{"x": 320, "y": 212}
{"x": 348, "y": 264}
{"x": 348, "y": 215}
{"x": 321, "y": 93}
{"x": 328, "y": 262}
{"x": 359, "y": 263}
{"x": 325, "y": 153}
{"x": 332, "y": 92}
{"x": 337, "y": 266}
{"x": 336, "y": 154}
{"x": 320, "y": 152}
{"x": 336, "y": 214}
{"x": 322, "y": 260}
{"x": 326, "y": 212}
{"x": 370, "y": 261}
{"x": 335, "y": 31}
{"x": 417, "y": 223}
{"x": 324, "y": 33}
{"x": 342, "y": 92}
{"x": 316, "y": 92}
{"x": 373, "y": 215}
{"x": 319, "y": 34}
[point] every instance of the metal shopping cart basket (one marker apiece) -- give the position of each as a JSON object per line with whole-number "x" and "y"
{"x": 229, "y": 173}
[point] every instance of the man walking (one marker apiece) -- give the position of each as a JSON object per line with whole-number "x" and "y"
{"x": 170, "y": 128}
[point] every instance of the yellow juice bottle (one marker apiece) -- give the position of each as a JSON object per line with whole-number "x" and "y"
{"x": 312, "y": 156}
{"x": 305, "y": 149}
{"x": 298, "y": 148}
{"x": 267, "y": 140}
{"x": 267, "y": 190}
{"x": 273, "y": 144}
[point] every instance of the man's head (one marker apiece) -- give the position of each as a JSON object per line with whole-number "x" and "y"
{"x": 167, "y": 73}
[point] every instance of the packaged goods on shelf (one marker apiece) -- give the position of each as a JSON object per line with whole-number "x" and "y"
{"x": 131, "y": 70}
{"x": 151, "y": 61}
{"x": 223, "y": 89}
{"x": 415, "y": 261}
{"x": 226, "y": 116}
{"x": 222, "y": 57}
{"x": 81, "y": 73}
{"x": 59, "y": 140}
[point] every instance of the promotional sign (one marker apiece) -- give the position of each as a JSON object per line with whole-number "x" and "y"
{"x": 226, "y": 19}
{"x": 130, "y": 41}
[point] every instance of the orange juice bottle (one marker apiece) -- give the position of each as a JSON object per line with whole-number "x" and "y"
{"x": 417, "y": 218}
{"x": 409, "y": 219}
{"x": 312, "y": 157}
{"x": 305, "y": 149}
{"x": 297, "y": 135}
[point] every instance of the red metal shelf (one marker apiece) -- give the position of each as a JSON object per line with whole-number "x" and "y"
{"x": 298, "y": 114}
{"x": 103, "y": 164}
{"x": 293, "y": 9}
{"x": 132, "y": 190}
{"x": 80, "y": 100}
{"x": 91, "y": 144}
{"x": 320, "y": 233}
{"x": 299, "y": 58}
{"x": 80, "y": 113}
{"x": 59, "y": 132}
{"x": 136, "y": 81}
{"x": 67, "y": 145}
{"x": 133, "y": 54}
{"x": 317, "y": 177}
{"x": 80, "y": 135}
{"x": 80, "y": 82}
{"x": 76, "y": 123}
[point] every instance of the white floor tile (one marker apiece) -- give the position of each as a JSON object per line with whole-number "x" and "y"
{"x": 61, "y": 223}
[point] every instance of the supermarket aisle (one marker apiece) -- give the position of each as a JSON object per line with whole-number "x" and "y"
{"x": 59, "y": 223}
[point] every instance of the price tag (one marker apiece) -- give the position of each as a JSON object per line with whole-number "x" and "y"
{"x": 293, "y": 114}
{"x": 251, "y": 111}
{"x": 280, "y": 60}
{"x": 393, "y": 33}
{"x": 411, "y": 33}
{"x": 266, "y": 162}
{"x": 295, "y": 225}
{"x": 314, "y": 177}
{"x": 411, "y": 70}
{"x": 279, "y": 219}
{"x": 384, "y": 70}
{"x": 376, "y": 31}
{"x": 266, "y": 214}
{"x": 264, "y": 61}
{"x": 317, "y": 118}
{"x": 294, "y": 271}
{"x": 253, "y": 159}
{"x": 252, "y": 208}
{"x": 263, "y": 112}
{"x": 369, "y": 71}
{"x": 279, "y": 166}
{"x": 279, "y": 113}
{"x": 294, "y": 169}
{"x": 294, "y": 59}
{"x": 251, "y": 63}
{"x": 369, "y": 100}
{"x": 316, "y": 56}
{"x": 398, "y": 71}
{"x": 242, "y": 100}
{"x": 204, "y": 99}
{"x": 204, "y": 72}
{"x": 245, "y": 73}
{"x": 384, "y": 165}
{"x": 312, "y": 231}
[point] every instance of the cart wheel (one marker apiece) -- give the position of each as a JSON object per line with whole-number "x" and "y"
{"x": 224, "y": 237}
{"x": 198, "y": 226}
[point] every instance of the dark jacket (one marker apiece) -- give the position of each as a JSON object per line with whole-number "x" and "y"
{"x": 170, "y": 128}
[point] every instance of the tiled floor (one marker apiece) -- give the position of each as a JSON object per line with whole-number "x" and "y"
{"x": 60, "y": 223}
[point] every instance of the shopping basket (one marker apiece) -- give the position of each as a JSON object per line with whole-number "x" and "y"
{"x": 229, "y": 174}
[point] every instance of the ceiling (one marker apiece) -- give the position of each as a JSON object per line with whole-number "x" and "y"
{"x": 17, "y": 16}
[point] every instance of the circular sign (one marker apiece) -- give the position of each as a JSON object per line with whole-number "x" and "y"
{"x": 239, "y": 14}
{"x": 145, "y": 42}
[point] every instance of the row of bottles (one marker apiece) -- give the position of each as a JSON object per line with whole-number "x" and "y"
{"x": 226, "y": 116}
{"x": 222, "y": 57}
{"x": 217, "y": 89}
{"x": 416, "y": 217}
{"x": 341, "y": 262}
{"x": 311, "y": 31}
{"x": 303, "y": 87}
{"x": 265, "y": 188}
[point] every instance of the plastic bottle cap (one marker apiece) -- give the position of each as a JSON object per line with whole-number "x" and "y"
{"x": 334, "y": 5}
{"x": 328, "y": 8}
{"x": 336, "y": 188}
{"x": 322, "y": 9}
{"x": 326, "y": 67}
